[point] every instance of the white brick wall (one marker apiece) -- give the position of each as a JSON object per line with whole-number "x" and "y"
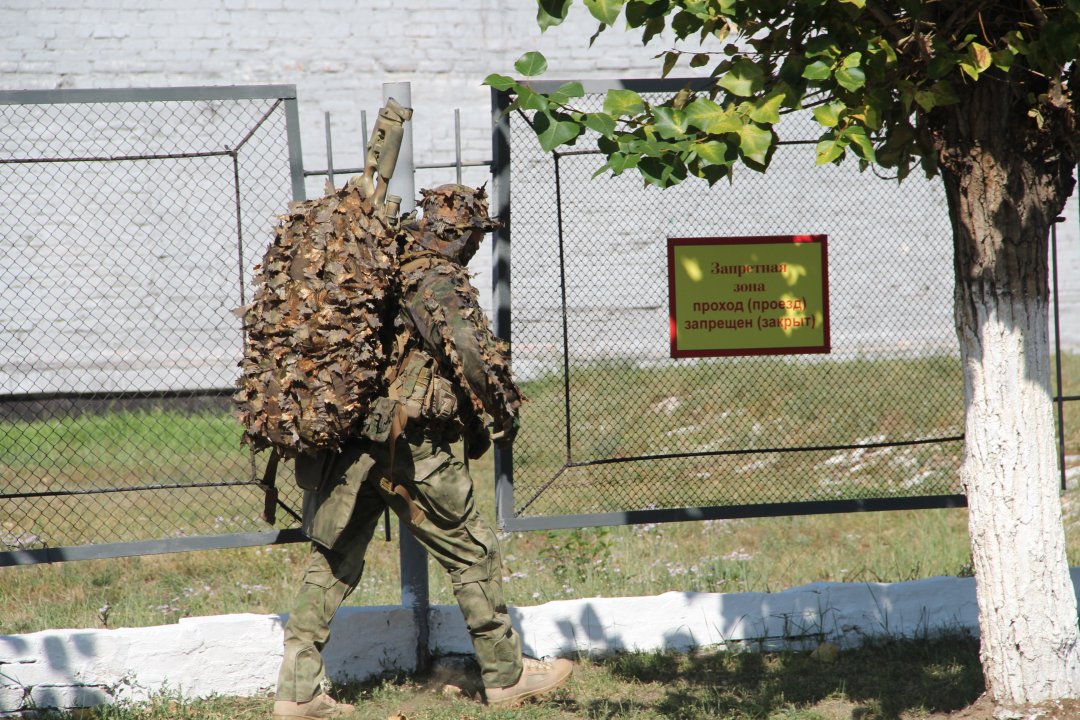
{"x": 338, "y": 53}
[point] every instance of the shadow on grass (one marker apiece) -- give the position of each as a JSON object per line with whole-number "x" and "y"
{"x": 884, "y": 679}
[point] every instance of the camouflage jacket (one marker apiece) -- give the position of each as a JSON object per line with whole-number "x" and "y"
{"x": 441, "y": 304}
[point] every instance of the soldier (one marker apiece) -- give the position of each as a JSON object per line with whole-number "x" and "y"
{"x": 448, "y": 370}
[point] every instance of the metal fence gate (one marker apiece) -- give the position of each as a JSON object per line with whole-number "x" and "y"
{"x": 131, "y": 220}
{"x": 618, "y": 432}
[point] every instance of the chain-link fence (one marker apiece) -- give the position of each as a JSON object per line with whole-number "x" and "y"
{"x": 130, "y": 221}
{"x": 618, "y": 431}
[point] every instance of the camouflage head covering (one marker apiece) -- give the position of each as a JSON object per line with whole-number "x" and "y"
{"x": 454, "y": 222}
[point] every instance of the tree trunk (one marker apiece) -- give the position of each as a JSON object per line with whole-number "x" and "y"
{"x": 1004, "y": 192}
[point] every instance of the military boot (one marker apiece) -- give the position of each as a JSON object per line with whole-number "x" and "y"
{"x": 538, "y": 678}
{"x": 320, "y": 707}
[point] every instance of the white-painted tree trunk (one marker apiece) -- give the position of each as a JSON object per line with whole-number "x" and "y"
{"x": 1006, "y": 181}
{"x": 1027, "y": 609}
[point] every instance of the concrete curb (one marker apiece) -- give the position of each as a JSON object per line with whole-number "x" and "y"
{"x": 240, "y": 654}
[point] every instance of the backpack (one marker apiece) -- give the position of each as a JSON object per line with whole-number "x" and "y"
{"x": 319, "y": 336}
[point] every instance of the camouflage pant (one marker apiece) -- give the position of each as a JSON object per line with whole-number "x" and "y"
{"x": 451, "y": 529}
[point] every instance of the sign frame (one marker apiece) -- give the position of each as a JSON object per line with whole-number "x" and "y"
{"x": 822, "y": 242}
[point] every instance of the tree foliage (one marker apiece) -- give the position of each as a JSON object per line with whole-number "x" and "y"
{"x": 878, "y": 76}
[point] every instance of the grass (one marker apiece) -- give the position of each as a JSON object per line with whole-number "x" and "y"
{"x": 882, "y": 680}
{"x": 886, "y": 679}
{"x": 764, "y": 555}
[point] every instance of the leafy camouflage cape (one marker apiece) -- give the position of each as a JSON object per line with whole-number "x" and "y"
{"x": 343, "y": 295}
{"x": 441, "y": 305}
{"x": 315, "y": 334}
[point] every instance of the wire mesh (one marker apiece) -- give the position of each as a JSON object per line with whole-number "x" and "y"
{"x": 616, "y": 424}
{"x": 127, "y": 231}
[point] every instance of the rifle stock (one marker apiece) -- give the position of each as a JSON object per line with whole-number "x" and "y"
{"x": 382, "y": 151}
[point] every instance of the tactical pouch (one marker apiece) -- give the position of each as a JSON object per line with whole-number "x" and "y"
{"x": 379, "y": 419}
{"x": 414, "y": 381}
{"x": 313, "y": 469}
{"x": 424, "y": 394}
{"x": 441, "y": 402}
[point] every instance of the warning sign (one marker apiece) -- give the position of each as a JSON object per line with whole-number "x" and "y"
{"x": 748, "y": 295}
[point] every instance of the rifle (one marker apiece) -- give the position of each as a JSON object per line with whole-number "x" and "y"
{"x": 382, "y": 155}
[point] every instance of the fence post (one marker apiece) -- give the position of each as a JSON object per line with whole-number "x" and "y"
{"x": 500, "y": 280}
{"x": 296, "y": 152}
{"x": 413, "y": 555}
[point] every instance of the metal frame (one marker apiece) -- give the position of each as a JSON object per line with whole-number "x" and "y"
{"x": 458, "y": 163}
{"x": 160, "y": 94}
{"x": 151, "y": 547}
{"x": 285, "y": 95}
{"x": 506, "y": 516}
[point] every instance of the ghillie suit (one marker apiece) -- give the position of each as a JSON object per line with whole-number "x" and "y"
{"x": 440, "y": 308}
{"x": 452, "y": 371}
{"x": 314, "y": 357}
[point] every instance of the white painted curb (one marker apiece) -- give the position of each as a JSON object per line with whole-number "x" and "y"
{"x": 240, "y": 654}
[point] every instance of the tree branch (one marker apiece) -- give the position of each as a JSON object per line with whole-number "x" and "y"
{"x": 887, "y": 21}
{"x": 1037, "y": 11}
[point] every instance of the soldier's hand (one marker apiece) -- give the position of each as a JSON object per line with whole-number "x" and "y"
{"x": 504, "y": 436}
{"x": 478, "y": 443}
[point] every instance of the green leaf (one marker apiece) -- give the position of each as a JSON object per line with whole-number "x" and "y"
{"x": 607, "y": 145}
{"x": 828, "y": 115}
{"x": 640, "y": 12}
{"x": 715, "y": 173}
{"x": 653, "y": 28}
{"x": 829, "y": 150}
{"x": 970, "y": 69}
{"x": 849, "y": 74}
{"x": 651, "y": 147}
{"x": 818, "y": 70}
{"x": 713, "y": 151}
{"x": 596, "y": 34}
{"x": 567, "y": 91}
{"x": 703, "y": 113}
{"x": 499, "y": 82}
{"x": 663, "y": 171}
{"x": 603, "y": 169}
{"x": 623, "y": 102}
{"x": 754, "y": 142}
{"x": 925, "y": 99}
{"x": 550, "y": 13}
{"x": 823, "y": 45}
{"x": 1004, "y": 58}
{"x": 940, "y": 66}
{"x": 681, "y": 98}
{"x": 944, "y": 93}
{"x": 670, "y": 123}
{"x": 601, "y": 123}
{"x": 685, "y": 24}
{"x": 670, "y": 58}
{"x": 981, "y": 55}
{"x": 767, "y": 109}
{"x": 699, "y": 60}
{"x": 530, "y": 100}
{"x": 863, "y": 146}
{"x": 622, "y": 161}
{"x": 851, "y": 78}
{"x": 531, "y": 64}
{"x": 606, "y": 11}
{"x": 743, "y": 79}
{"x": 554, "y": 131}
